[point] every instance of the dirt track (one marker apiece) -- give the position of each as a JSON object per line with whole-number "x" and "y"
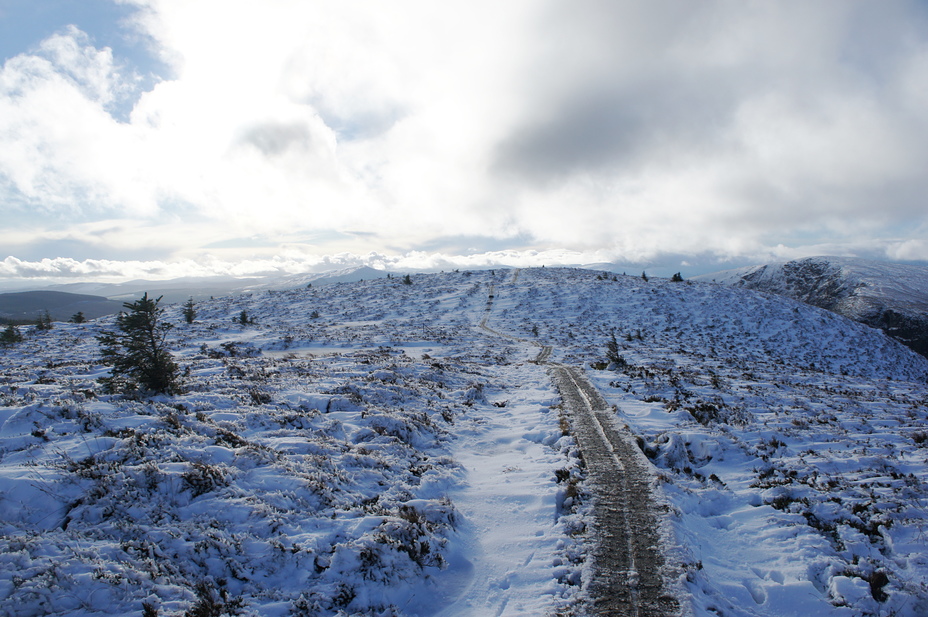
{"x": 626, "y": 558}
{"x": 627, "y": 561}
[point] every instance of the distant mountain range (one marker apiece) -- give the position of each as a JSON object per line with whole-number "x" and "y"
{"x": 890, "y": 297}
{"x": 202, "y": 288}
{"x": 99, "y": 299}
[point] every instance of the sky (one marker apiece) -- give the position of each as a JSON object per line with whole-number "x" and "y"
{"x": 160, "y": 138}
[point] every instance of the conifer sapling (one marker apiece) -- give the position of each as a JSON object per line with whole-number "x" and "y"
{"x": 138, "y": 353}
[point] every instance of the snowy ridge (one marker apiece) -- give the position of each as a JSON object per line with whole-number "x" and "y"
{"x": 365, "y": 448}
{"x": 891, "y": 297}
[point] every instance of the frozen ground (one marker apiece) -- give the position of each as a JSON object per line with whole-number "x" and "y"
{"x": 367, "y": 449}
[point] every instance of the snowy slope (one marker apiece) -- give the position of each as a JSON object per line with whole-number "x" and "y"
{"x": 891, "y": 297}
{"x": 789, "y": 441}
{"x": 367, "y": 448}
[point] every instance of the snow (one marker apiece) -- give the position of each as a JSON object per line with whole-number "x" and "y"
{"x": 366, "y": 448}
{"x": 902, "y": 286}
{"x": 512, "y": 556}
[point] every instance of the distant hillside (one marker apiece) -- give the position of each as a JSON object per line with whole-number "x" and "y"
{"x": 27, "y": 305}
{"x": 887, "y": 296}
{"x": 171, "y": 291}
{"x": 319, "y": 279}
{"x": 175, "y": 291}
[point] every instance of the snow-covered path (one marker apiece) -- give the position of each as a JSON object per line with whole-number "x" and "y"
{"x": 511, "y": 541}
{"x": 625, "y": 576}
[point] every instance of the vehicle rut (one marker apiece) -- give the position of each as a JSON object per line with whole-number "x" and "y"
{"x": 626, "y": 558}
{"x": 627, "y": 563}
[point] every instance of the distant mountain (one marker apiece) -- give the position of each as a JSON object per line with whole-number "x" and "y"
{"x": 319, "y": 279}
{"x": 891, "y": 297}
{"x": 178, "y": 290}
{"x": 173, "y": 290}
{"x": 60, "y": 305}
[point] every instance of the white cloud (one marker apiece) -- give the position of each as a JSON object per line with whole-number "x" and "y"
{"x": 601, "y": 127}
{"x": 62, "y": 151}
{"x": 908, "y": 250}
{"x": 292, "y": 262}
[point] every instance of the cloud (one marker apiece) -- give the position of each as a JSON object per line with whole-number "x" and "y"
{"x": 274, "y": 139}
{"x": 290, "y": 261}
{"x": 732, "y": 119}
{"x": 600, "y": 128}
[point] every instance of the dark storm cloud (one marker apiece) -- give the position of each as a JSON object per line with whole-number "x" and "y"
{"x": 622, "y": 86}
{"x": 586, "y": 134}
{"x": 610, "y": 92}
{"x": 623, "y": 127}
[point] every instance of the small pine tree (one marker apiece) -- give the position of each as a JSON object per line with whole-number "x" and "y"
{"x": 10, "y": 336}
{"x": 190, "y": 311}
{"x": 407, "y": 280}
{"x": 78, "y": 317}
{"x": 138, "y": 353}
{"x": 644, "y": 276}
{"x": 243, "y": 318}
{"x": 612, "y": 353}
{"x": 677, "y": 278}
{"x": 44, "y": 322}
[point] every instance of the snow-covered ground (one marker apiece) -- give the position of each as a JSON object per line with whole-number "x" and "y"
{"x": 366, "y": 448}
{"x": 889, "y": 296}
{"x": 379, "y": 458}
{"x": 790, "y": 441}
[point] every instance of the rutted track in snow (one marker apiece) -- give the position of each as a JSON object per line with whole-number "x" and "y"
{"x": 627, "y": 561}
{"x": 626, "y": 570}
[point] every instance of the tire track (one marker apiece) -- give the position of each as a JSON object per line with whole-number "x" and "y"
{"x": 626, "y": 568}
{"x": 626, "y": 560}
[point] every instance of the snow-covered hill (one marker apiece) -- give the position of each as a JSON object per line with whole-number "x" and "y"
{"x": 367, "y": 448}
{"x": 891, "y": 297}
